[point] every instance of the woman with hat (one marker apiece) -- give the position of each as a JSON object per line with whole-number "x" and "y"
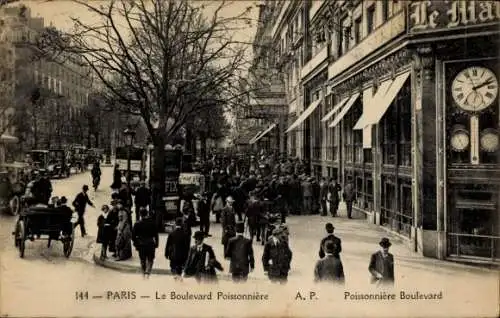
{"x": 201, "y": 262}
{"x": 382, "y": 264}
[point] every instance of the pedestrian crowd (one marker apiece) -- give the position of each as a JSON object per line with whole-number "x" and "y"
{"x": 255, "y": 195}
{"x": 252, "y": 197}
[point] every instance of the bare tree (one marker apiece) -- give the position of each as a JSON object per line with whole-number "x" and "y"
{"x": 162, "y": 60}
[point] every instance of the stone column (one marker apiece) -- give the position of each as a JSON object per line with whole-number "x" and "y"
{"x": 425, "y": 152}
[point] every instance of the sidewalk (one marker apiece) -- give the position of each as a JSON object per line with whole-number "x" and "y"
{"x": 359, "y": 240}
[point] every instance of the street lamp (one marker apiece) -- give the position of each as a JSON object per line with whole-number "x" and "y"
{"x": 129, "y": 138}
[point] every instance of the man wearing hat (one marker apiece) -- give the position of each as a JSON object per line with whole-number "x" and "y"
{"x": 277, "y": 257}
{"x": 66, "y": 210}
{"x": 142, "y": 198}
{"x": 146, "y": 239}
{"x": 382, "y": 264}
{"x": 80, "y": 203}
{"x": 330, "y": 238}
{"x": 201, "y": 262}
{"x": 204, "y": 213}
{"x": 240, "y": 252}
{"x": 349, "y": 196}
{"x": 177, "y": 247}
{"x": 329, "y": 268}
{"x": 228, "y": 222}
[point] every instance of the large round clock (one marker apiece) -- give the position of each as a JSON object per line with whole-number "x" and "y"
{"x": 475, "y": 88}
{"x": 459, "y": 139}
{"x": 489, "y": 140}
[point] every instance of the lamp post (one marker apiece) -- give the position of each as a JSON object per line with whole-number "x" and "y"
{"x": 129, "y": 138}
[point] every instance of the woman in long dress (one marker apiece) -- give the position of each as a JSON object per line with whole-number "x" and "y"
{"x": 124, "y": 237}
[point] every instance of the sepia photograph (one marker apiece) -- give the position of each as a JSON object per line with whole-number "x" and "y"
{"x": 270, "y": 158}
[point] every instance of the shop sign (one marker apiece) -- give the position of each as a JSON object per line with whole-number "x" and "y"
{"x": 438, "y": 15}
{"x": 190, "y": 178}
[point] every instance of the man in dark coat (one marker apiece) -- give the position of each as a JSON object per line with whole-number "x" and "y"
{"x": 117, "y": 179}
{"x": 146, "y": 239}
{"x": 334, "y": 196}
{"x": 254, "y": 213}
{"x": 177, "y": 247}
{"x": 349, "y": 195}
{"x": 277, "y": 257}
{"x": 42, "y": 188}
{"x": 142, "y": 199}
{"x": 323, "y": 195}
{"x": 201, "y": 262}
{"x": 204, "y": 214}
{"x": 329, "y": 268}
{"x": 239, "y": 250}
{"x": 228, "y": 220}
{"x": 382, "y": 264}
{"x": 316, "y": 200}
{"x": 80, "y": 203}
{"x": 66, "y": 210}
{"x": 330, "y": 238}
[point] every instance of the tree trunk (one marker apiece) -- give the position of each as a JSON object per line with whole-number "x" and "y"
{"x": 96, "y": 135}
{"x": 158, "y": 179}
{"x": 203, "y": 146}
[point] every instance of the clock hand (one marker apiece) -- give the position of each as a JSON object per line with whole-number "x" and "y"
{"x": 481, "y": 85}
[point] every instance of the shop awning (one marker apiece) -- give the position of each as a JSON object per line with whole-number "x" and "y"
{"x": 265, "y": 132}
{"x": 344, "y": 110}
{"x": 335, "y": 109}
{"x": 8, "y": 139}
{"x": 305, "y": 114}
{"x": 370, "y": 103}
{"x": 382, "y": 104}
{"x": 252, "y": 141}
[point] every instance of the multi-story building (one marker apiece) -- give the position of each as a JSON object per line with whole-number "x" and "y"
{"x": 63, "y": 83}
{"x": 266, "y": 104}
{"x": 401, "y": 99}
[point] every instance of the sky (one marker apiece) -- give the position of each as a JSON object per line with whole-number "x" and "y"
{"x": 59, "y": 13}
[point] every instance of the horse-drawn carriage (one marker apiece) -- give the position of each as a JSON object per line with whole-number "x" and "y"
{"x": 43, "y": 222}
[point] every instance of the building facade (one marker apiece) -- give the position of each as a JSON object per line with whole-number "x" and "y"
{"x": 266, "y": 107}
{"x": 62, "y": 85}
{"x": 401, "y": 99}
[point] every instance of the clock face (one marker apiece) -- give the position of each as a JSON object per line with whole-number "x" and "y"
{"x": 489, "y": 140}
{"x": 475, "y": 88}
{"x": 460, "y": 141}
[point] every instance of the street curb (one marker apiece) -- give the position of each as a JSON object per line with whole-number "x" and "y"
{"x": 126, "y": 268}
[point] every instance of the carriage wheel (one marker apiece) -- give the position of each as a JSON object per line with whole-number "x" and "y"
{"x": 15, "y": 205}
{"x": 68, "y": 243}
{"x": 21, "y": 237}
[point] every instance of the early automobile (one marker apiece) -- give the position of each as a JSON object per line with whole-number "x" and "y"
{"x": 58, "y": 164}
{"x": 43, "y": 222}
{"x": 13, "y": 179}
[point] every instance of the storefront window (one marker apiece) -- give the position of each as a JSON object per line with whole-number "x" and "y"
{"x": 368, "y": 195}
{"x": 405, "y": 207}
{"x": 335, "y": 148}
{"x": 389, "y": 204}
{"x": 473, "y": 223}
{"x": 396, "y": 130}
{"x": 353, "y": 138}
{"x": 329, "y": 131}
{"x": 404, "y": 106}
